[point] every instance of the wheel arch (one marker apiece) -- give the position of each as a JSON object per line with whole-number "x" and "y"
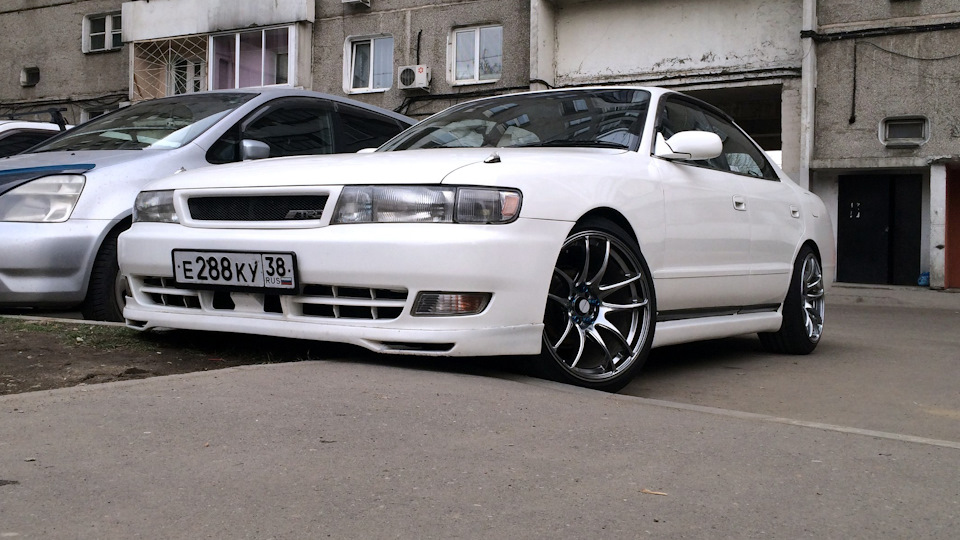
{"x": 123, "y": 224}
{"x": 614, "y": 216}
{"x": 812, "y": 244}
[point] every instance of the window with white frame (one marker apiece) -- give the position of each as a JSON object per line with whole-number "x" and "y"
{"x": 477, "y": 54}
{"x": 102, "y": 32}
{"x": 252, "y": 58}
{"x": 186, "y": 76}
{"x": 371, "y": 63}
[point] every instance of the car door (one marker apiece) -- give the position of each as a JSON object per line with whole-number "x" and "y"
{"x": 707, "y": 229}
{"x": 774, "y": 212}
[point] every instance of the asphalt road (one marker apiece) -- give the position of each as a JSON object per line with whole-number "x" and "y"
{"x": 888, "y": 362}
{"x": 858, "y": 440}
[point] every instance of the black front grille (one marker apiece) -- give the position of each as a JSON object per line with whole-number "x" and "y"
{"x": 263, "y": 208}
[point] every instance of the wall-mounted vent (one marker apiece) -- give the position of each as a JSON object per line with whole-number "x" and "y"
{"x": 29, "y": 76}
{"x": 362, "y": 2}
{"x": 904, "y": 131}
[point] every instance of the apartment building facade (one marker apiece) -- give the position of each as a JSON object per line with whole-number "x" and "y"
{"x": 107, "y": 52}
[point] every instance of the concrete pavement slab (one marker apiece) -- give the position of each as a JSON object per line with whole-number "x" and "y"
{"x": 362, "y": 450}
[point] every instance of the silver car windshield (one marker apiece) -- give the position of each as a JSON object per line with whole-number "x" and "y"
{"x": 162, "y": 124}
{"x": 601, "y": 118}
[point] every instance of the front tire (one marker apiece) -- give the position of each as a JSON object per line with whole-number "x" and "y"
{"x": 601, "y": 310}
{"x": 803, "y": 309}
{"x": 107, "y": 288}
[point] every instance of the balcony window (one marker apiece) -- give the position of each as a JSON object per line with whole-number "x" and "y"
{"x": 253, "y": 58}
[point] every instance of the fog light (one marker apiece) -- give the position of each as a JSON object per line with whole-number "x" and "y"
{"x": 444, "y": 303}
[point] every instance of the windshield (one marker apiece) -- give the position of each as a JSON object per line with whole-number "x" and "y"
{"x": 602, "y": 118}
{"x": 166, "y": 123}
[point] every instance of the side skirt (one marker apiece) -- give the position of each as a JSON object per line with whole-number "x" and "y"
{"x": 673, "y": 331}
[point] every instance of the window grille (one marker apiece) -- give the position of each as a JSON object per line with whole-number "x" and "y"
{"x": 169, "y": 66}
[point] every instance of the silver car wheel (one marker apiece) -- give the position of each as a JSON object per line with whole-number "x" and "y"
{"x": 598, "y": 317}
{"x": 812, "y": 297}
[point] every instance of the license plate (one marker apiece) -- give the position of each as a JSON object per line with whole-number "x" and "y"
{"x": 248, "y": 270}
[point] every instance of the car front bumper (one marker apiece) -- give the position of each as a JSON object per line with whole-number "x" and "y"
{"x": 359, "y": 283}
{"x": 47, "y": 264}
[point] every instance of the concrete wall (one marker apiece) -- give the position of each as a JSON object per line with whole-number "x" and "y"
{"x": 421, "y": 30}
{"x": 859, "y": 12}
{"x": 883, "y": 59}
{"x": 169, "y": 18}
{"x": 862, "y": 81}
{"x": 47, "y": 34}
{"x": 625, "y": 40}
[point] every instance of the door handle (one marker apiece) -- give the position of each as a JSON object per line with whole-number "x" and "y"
{"x": 739, "y": 203}
{"x": 794, "y": 211}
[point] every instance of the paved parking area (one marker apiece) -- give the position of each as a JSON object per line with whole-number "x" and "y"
{"x": 889, "y": 361}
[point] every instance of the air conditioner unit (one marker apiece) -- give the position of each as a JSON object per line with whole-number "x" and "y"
{"x": 413, "y": 77}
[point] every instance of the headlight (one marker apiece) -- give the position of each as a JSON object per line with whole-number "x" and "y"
{"x": 426, "y": 204}
{"x": 155, "y": 206}
{"x": 50, "y": 199}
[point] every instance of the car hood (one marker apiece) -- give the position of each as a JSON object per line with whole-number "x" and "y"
{"x": 398, "y": 167}
{"x": 21, "y": 168}
{"x": 99, "y": 158}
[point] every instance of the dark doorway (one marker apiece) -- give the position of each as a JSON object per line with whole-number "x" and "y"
{"x": 878, "y": 234}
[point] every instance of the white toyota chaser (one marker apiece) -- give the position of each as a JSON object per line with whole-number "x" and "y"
{"x": 583, "y": 226}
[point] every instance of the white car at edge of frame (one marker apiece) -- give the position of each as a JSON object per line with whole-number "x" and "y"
{"x": 579, "y": 226}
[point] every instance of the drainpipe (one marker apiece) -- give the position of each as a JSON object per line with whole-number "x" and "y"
{"x": 808, "y": 90}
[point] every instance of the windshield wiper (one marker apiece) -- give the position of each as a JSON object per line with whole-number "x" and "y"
{"x": 572, "y": 143}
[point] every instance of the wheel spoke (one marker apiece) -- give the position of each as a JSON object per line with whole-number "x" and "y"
{"x": 815, "y": 294}
{"x": 566, "y": 332}
{"x": 607, "y": 290}
{"x": 586, "y": 263}
{"x": 619, "y": 337}
{"x": 623, "y": 307}
{"x": 564, "y": 277}
{"x": 583, "y": 340}
{"x": 608, "y": 363}
{"x": 603, "y": 265}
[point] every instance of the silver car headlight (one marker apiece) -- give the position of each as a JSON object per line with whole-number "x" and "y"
{"x": 155, "y": 206}
{"x": 50, "y": 199}
{"x": 426, "y": 204}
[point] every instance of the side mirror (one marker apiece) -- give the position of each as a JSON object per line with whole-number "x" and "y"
{"x": 251, "y": 149}
{"x": 689, "y": 146}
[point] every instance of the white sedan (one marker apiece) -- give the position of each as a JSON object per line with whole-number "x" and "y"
{"x": 583, "y": 226}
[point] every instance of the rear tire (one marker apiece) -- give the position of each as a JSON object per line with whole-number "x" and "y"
{"x": 803, "y": 309}
{"x": 601, "y": 310}
{"x": 107, "y": 289}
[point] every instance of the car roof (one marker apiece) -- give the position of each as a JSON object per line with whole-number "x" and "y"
{"x": 267, "y": 93}
{"x": 9, "y": 125}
